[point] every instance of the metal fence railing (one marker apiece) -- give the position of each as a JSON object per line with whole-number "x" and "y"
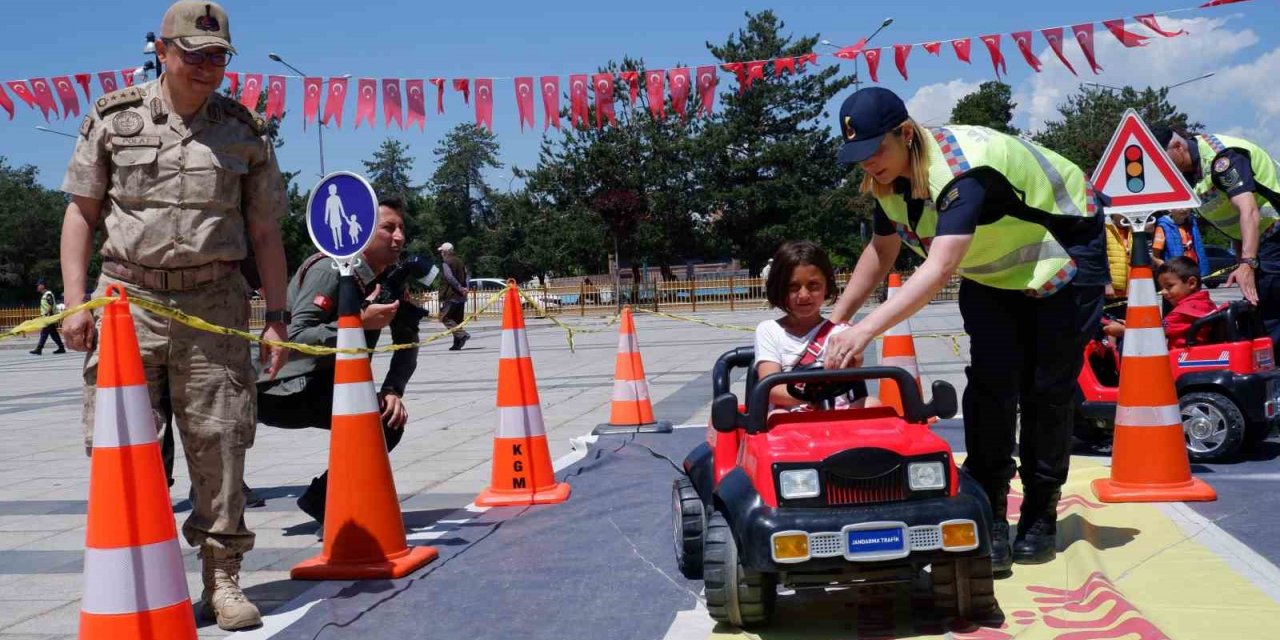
{"x": 675, "y": 296}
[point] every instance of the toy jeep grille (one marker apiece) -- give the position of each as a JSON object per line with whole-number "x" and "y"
{"x": 890, "y": 487}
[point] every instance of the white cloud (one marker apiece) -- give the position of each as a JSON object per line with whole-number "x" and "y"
{"x": 931, "y": 105}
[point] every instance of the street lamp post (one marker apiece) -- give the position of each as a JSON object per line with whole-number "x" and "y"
{"x": 151, "y": 49}
{"x": 319, "y": 121}
{"x": 857, "y": 82}
{"x": 55, "y": 132}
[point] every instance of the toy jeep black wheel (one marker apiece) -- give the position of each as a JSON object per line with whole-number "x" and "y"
{"x": 1213, "y": 426}
{"x": 689, "y": 522}
{"x": 735, "y": 595}
{"x": 964, "y": 588}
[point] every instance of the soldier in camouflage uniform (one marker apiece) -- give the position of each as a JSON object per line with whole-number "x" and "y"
{"x": 181, "y": 180}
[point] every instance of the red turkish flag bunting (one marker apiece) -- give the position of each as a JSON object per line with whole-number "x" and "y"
{"x": 391, "y": 109}
{"x": 524, "y": 101}
{"x": 366, "y": 101}
{"x": 336, "y": 102}
{"x": 1023, "y": 40}
{"x": 24, "y": 94}
{"x": 233, "y": 79}
{"x": 755, "y": 71}
{"x": 415, "y": 97}
{"x": 997, "y": 59}
{"x": 961, "y": 47}
{"x": 1054, "y": 37}
{"x": 679, "y": 79}
{"x": 851, "y": 52}
{"x": 108, "y": 81}
{"x": 632, "y": 78}
{"x": 462, "y": 85}
{"x": 1148, "y": 20}
{"x": 873, "y": 63}
{"x": 439, "y": 85}
{"x": 312, "y": 87}
{"x": 602, "y": 84}
{"x": 900, "y": 53}
{"x": 579, "y": 111}
{"x": 738, "y": 69}
{"x": 67, "y": 94}
{"x": 934, "y": 48}
{"x": 6, "y": 103}
{"x": 1084, "y": 35}
{"x": 83, "y": 80}
{"x": 550, "y": 101}
{"x": 127, "y": 74}
{"x": 808, "y": 58}
{"x": 654, "y": 85}
{"x": 784, "y": 65}
{"x": 484, "y": 103}
{"x": 1219, "y": 3}
{"x": 706, "y": 89}
{"x": 251, "y": 91}
{"x": 44, "y": 97}
{"x": 1126, "y": 38}
{"x": 275, "y": 97}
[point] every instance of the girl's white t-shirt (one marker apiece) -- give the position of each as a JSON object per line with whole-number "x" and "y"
{"x": 774, "y": 344}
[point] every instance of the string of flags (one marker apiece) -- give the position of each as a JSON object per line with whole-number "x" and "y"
{"x": 404, "y": 101}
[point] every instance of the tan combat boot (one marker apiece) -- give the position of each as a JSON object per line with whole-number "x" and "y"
{"x": 222, "y": 598}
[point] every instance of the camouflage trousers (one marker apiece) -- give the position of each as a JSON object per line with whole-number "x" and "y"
{"x": 206, "y": 381}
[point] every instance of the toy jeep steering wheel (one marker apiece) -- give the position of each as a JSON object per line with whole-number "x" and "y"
{"x": 819, "y": 391}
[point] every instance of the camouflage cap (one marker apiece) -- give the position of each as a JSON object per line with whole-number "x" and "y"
{"x": 195, "y": 25}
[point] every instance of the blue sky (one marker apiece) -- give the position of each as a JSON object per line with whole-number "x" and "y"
{"x": 397, "y": 38}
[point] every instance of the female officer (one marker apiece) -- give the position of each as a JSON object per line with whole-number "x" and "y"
{"x": 1019, "y": 224}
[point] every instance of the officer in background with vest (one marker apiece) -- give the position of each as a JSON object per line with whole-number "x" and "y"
{"x": 181, "y": 180}
{"x": 1019, "y": 223}
{"x": 48, "y": 307}
{"x": 1239, "y": 189}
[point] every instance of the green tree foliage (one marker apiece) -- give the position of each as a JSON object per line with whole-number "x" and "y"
{"x": 1090, "y": 116}
{"x": 464, "y": 202}
{"x": 29, "y": 234}
{"x": 990, "y": 106}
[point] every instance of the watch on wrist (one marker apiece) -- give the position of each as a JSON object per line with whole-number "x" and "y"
{"x": 281, "y": 316}
{"x": 1252, "y": 262}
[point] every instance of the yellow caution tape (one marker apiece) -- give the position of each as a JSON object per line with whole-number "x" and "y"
{"x": 36, "y": 324}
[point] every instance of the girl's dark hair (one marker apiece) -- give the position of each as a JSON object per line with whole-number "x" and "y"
{"x": 785, "y": 261}
{"x": 1182, "y": 268}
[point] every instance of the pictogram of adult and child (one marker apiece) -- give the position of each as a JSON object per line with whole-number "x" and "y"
{"x": 335, "y": 215}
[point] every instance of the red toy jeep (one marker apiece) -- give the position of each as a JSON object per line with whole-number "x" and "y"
{"x": 1228, "y": 386}
{"x": 828, "y": 497}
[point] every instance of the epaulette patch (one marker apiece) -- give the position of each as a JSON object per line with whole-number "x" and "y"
{"x": 116, "y": 99}
{"x": 86, "y": 126}
{"x": 244, "y": 115}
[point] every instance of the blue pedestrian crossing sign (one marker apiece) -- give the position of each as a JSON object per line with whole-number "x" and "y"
{"x": 341, "y": 214}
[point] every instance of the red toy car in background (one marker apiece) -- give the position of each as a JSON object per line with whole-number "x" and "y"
{"x": 1228, "y": 386}
{"x": 822, "y": 498}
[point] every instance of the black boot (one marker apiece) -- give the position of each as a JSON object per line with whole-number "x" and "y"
{"x": 1001, "y": 560}
{"x": 1037, "y": 529}
{"x": 312, "y": 501}
{"x": 457, "y": 343}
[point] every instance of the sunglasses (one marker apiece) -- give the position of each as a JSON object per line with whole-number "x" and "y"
{"x": 220, "y": 58}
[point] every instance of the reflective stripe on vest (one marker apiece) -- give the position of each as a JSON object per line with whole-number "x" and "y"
{"x": 1214, "y": 205}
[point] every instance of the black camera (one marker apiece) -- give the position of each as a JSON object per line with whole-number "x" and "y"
{"x": 395, "y": 283}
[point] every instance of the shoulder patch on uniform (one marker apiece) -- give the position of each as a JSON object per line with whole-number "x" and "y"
{"x": 948, "y": 199}
{"x": 244, "y": 115}
{"x": 324, "y": 302}
{"x": 86, "y": 126}
{"x": 1230, "y": 179}
{"x": 127, "y": 124}
{"x": 1221, "y": 164}
{"x": 117, "y": 99}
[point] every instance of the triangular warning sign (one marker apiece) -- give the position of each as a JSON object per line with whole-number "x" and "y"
{"x": 1137, "y": 175}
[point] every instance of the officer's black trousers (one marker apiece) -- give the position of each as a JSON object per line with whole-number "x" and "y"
{"x": 1026, "y": 352}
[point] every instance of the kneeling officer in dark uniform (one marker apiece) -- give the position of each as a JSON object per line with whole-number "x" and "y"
{"x": 301, "y": 396}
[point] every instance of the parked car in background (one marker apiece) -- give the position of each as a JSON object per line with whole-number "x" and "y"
{"x": 483, "y": 288}
{"x": 1220, "y": 259}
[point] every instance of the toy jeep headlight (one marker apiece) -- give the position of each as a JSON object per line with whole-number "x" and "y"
{"x": 923, "y": 476}
{"x": 798, "y": 483}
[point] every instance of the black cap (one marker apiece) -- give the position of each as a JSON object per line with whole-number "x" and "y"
{"x": 1163, "y": 135}
{"x": 865, "y": 118}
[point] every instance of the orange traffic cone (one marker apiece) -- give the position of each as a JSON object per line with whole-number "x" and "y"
{"x": 134, "y": 584}
{"x": 1149, "y": 458}
{"x": 632, "y": 412}
{"x": 898, "y": 350}
{"x": 522, "y": 472}
{"x": 363, "y": 528}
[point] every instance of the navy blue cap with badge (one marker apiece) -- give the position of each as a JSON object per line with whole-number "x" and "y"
{"x": 865, "y": 118}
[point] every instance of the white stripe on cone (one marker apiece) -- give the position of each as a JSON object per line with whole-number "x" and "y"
{"x": 1142, "y": 293}
{"x": 351, "y": 339}
{"x": 1165, "y": 416}
{"x": 515, "y": 344}
{"x": 133, "y": 579}
{"x": 1148, "y": 341}
{"x": 520, "y": 422}
{"x": 627, "y": 343}
{"x": 903, "y": 362}
{"x": 122, "y": 417}
{"x": 630, "y": 390}
{"x": 354, "y": 398}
